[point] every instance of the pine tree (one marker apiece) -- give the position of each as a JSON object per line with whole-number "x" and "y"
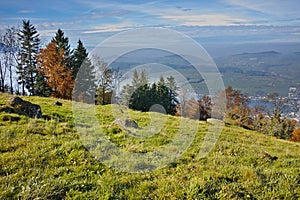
{"x": 126, "y": 93}
{"x": 161, "y": 80}
{"x": 41, "y": 87}
{"x": 58, "y": 75}
{"x": 137, "y": 81}
{"x": 143, "y": 78}
{"x": 79, "y": 55}
{"x": 85, "y": 82}
{"x": 27, "y": 68}
{"x": 172, "y": 95}
{"x": 62, "y": 44}
{"x": 145, "y": 96}
{"x": 140, "y": 99}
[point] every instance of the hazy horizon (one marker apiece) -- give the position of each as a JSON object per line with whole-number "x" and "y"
{"x": 223, "y": 27}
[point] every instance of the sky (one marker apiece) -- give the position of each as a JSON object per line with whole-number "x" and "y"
{"x": 209, "y": 22}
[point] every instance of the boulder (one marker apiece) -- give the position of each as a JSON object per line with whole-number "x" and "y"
{"x": 57, "y": 103}
{"x": 26, "y": 107}
{"x": 7, "y": 109}
{"x": 126, "y": 123}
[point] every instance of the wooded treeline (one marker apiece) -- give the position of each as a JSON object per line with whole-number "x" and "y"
{"x": 47, "y": 71}
{"x": 53, "y": 70}
{"x": 264, "y": 119}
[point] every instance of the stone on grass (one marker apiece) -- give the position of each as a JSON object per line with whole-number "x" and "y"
{"x": 25, "y": 107}
{"x": 57, "y": 103}
{"x": 7, "y": 109}
{"x": 128, "y": 123}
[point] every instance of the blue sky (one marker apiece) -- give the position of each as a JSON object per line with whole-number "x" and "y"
{"x": 220, "y": 21}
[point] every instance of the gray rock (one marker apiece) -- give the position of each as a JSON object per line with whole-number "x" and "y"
{"x": 26, "y": 107}
{"x": 7, "y": 109}
{"x": 57, "y": 103}
{"x": 126, "y": 123}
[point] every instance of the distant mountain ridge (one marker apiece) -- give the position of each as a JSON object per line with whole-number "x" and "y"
{"x": 263, "y": 53}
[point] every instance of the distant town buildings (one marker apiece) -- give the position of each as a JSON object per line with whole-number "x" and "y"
{"x": 294, "y": 103}
{"x": 294, "y": 93}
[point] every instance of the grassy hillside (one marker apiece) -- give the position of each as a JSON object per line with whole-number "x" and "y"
{"x": 45, "y": 159}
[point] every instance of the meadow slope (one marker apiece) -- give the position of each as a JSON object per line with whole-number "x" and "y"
{"x": 46, "y": 159}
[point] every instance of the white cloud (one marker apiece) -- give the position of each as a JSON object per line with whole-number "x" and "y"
{"x": 205, "y": 20}
{"x": 26, "y": 11}
{"x": 111, "y": 28}
{"x": 274, "y": 7}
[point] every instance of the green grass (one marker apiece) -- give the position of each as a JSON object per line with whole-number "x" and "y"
{"x": 46, "y": 159}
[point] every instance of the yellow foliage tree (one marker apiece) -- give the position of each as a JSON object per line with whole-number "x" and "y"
{"x": 53, "y": 66}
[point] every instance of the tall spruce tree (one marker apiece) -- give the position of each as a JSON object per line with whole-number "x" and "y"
{"x": 62, "y": 44}
{"x": 27, "y": 68}
{"x": 84, "y": 74}
{"x": 41, "y": 87}
{"x": 79, "y": 55}
{"x": 137, "y": 81}
{"x": 172, "y": 94}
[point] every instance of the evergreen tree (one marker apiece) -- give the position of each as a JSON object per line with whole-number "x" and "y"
{"x": 85, "y": 83}
{"x": 62, "y": 44}
{"x": 161, "y": 80}
{"x": 85, "y": 75}
{"x": 172, "y": 94}
{"x": 126, "y": 93}
{"x": 145, "y": 96}
{"x": 79, "y": 55}
{"x": 143, "y": 78}
{"x": 27, "y": 68}
{"x": 41, "y": 87}
{"x": 135, "y": 79}
{"x": 136, "y": 82}
{"x": 140, "y": 99}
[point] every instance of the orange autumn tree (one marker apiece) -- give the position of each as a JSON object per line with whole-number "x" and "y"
{"x": 296, "y": 135}
{"x": 58, "y": 75}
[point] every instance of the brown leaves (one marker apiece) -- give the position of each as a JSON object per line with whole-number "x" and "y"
{"x": 59, "y": 76}
{"x": 296, "y": 135}
{"x": 198, "y": 109}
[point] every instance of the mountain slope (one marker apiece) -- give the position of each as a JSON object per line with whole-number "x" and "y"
{"x": 260, "y": 72}
{"x": 46, "y": 159}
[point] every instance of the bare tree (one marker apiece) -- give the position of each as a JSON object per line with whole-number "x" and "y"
{"x": 3, "y": 60}
{"x": 104, "y": 81}
{"x": 8, "y": 60}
